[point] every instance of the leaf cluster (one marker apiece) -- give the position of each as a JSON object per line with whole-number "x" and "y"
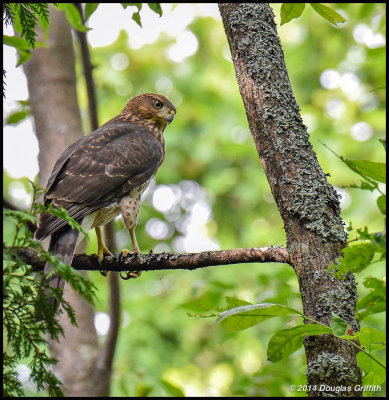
{"x": 290, "y": 11}
{"x": 369, "y": 247}
{"x": 27, "y": 312}
{"x": 240, "y": 315}
{"x": 24, "y": 17}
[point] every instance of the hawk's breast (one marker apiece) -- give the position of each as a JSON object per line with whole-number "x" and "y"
{"x": 130, "y": 206}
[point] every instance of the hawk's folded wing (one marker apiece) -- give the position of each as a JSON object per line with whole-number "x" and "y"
{"x": 98, "y": 170}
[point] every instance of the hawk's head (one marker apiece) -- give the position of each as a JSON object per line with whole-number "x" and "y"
{"x": 152, "y": 110}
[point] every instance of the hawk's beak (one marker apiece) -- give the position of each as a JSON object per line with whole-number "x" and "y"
{"x": 170, "y": 116}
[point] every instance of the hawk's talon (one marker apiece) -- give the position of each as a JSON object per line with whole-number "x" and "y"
{"x": 123, "y": 254}
{"x": 101, "y": 258}
{"x": 100, "y": 264}
{"x": 131, "y": 275}
{"x": 126, "y": 277}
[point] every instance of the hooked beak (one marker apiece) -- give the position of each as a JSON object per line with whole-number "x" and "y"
{"x": 170, "y": 116}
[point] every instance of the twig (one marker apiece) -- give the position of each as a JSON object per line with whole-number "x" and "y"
{"x": 352, "y": 240}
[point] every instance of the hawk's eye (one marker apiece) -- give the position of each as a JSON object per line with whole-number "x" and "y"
{"x": 157, "y": 104}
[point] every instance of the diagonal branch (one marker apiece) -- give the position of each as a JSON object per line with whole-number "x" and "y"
{"x": 161, "y": 261}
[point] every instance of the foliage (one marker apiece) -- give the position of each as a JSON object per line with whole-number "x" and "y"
{"x": 355, "y": 258}
{"x": 27, "y": 313}
{"x": 27, "y": 15}
{"x": 285, "y": 342}
{"x": 24, "y": 18}
{"x": 241, "y": 315}
{"x": 290, "y": 11}
{"x": 358, "y": 257}
{"x": 211, "y": 165}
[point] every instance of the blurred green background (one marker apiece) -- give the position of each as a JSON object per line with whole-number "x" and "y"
{"x": 211, "y": 193}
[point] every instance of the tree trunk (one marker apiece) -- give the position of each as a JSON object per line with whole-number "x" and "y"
{"x": 52, "y": 88}
{"x": 308, "y": 204}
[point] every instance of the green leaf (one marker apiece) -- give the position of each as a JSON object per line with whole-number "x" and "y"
{"x": 90, "y": 8}
{"x": 142, "y": 390}
{"x": 358, "y": 257}
{"x": 380, "y": 239}
{"x": 372, "y": 339}
{"x": 378, "y": 285}
{"x": 375, "y": 373}
{"x": 383, "y": 142}
{"x": 74, "y": 17}
{"x": 24, "y": 55}
{"x": 136, "y": 18}
{"x": 366, "y": 169}
{"x": 328, "y": 13}
{"x": 172, "y": 389}
{"x": 381, "y": 203}
{"x": 19, "y": 216}
{"x": 156, "y": 7}
{"x": 290, "y": 11}
{"x": 21, "y": 45}
{"x": 286, "y": 341}
{"x": 338, "y": 325}
{"x": 135, "y": 15}
{"x": 371, "y": 379}
{"x": 374, "y": 170}
{"x": 245, "y": 316}
{"x": 17, "y": 42}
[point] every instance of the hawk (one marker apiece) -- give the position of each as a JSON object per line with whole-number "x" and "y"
{"x": 104, "y": 174}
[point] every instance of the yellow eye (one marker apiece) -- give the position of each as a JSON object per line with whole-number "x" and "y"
{"x": 157, "y": 104}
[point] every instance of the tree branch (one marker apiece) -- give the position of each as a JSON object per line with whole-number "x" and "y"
{"x": 162, "y": 261}
{"x": 87, "y": 70}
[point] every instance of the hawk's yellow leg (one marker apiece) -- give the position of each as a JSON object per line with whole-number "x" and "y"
{"x": 101, "y": 248}
{"x": 125, "y": 253}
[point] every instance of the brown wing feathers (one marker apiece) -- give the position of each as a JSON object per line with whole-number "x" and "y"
{"x": 97, "y": 171}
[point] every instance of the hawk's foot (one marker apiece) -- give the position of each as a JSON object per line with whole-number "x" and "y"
{"x": 128, "y": 274}
{"x": 123, "y": 254}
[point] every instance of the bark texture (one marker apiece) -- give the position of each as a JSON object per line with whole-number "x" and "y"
{"x": 52, "y": 88}
{"x": 308, "y": 204}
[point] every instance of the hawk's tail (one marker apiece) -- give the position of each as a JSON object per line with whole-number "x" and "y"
{"x": 62, "y": 244}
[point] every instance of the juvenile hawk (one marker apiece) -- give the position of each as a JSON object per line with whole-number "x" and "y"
{"x": 105, "y": 173}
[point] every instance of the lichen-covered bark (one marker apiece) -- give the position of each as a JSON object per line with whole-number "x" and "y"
{"x": 308, "y": 204}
